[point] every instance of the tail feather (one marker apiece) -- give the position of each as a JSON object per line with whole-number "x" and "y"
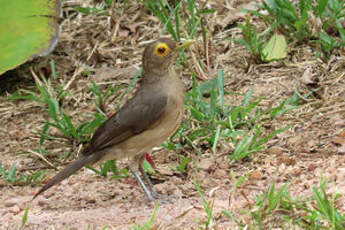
{"x": 69, "y": 170}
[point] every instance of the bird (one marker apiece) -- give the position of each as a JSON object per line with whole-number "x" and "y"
{"x": 146, "y": 120}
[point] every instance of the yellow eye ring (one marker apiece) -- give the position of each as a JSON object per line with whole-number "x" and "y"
{"x": 161, "y": 49}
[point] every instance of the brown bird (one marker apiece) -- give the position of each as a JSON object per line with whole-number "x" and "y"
{"x": 151, "y": 116}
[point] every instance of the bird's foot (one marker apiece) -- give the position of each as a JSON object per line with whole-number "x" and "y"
{"x": 163, "y": 199}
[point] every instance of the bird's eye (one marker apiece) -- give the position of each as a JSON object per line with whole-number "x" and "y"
{"x": 161, "y": 49}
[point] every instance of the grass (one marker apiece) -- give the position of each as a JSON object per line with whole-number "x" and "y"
{"x": 214, "y": 121}
{"x": 251, "y": 40}
{"x": 208, "y": 224}
{"x": 50, "y": 98}
{"x": 11, "y": 176}
{"x": 182, "y": 167}
{"x": 181, "y": 17}
{"x": 149, "y": 224}
{"x": 110, "y": 166}
{"x": 101, "y": 97}
{"x": 25, "y": 217}
{"x": 277, "y": 208}
{"x": 317, "y": 23}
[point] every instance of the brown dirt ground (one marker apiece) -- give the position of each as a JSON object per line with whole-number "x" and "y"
{"x": 112, "y": 46}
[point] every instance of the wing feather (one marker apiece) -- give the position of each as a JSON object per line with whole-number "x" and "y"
{"x": 134, "y": 117}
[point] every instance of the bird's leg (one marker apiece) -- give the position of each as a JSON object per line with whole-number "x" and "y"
{"x": 148, "y": 181}
{"x": 142, "y": 184}
{"x": 134, "y": 169}
{"x": 146, "y": 177}
{"x": 154, "y": 194}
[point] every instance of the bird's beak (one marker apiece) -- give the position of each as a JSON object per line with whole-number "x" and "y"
{"x": 184, "y": 44}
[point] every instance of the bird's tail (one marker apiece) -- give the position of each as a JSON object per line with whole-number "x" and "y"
{"x": 69, "y": 170}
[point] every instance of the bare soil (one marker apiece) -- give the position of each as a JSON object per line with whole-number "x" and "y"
{"x": 111, "y": 47}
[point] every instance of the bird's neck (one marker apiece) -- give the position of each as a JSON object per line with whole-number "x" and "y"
{"x": 169, "y": 84}
{"x": 157, "y": 75}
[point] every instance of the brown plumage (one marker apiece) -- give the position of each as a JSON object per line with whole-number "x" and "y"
{"x": 150, "y": 117}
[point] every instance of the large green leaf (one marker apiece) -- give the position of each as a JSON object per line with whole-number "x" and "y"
{"x": 28, "y": 28}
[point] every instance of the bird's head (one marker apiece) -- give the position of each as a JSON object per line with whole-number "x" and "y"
{"x": 160, "y": 55}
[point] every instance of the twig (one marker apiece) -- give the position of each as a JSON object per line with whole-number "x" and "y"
{"x": 77, "y": 72}
{"x": 43, "y": 158}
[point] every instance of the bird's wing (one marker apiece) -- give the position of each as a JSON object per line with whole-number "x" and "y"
{"x": 134, "y": 117}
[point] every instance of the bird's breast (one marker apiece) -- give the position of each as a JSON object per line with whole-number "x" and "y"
{"x": 168, "y": 122}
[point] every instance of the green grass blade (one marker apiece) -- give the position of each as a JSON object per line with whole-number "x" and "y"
{"x": 206, "y": 205}
{"x": 12, "y": 173}
{"x": 3, "y": 172}
{"x": 70, "y": 129}
{"x": 216, "y": 139}
{"x": 25, "y": 216}
{"x": 220, "y": 84}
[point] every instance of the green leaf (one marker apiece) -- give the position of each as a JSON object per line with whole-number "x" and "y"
{"x": 275, "y": 48}
{"x": 28, "y": 28}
